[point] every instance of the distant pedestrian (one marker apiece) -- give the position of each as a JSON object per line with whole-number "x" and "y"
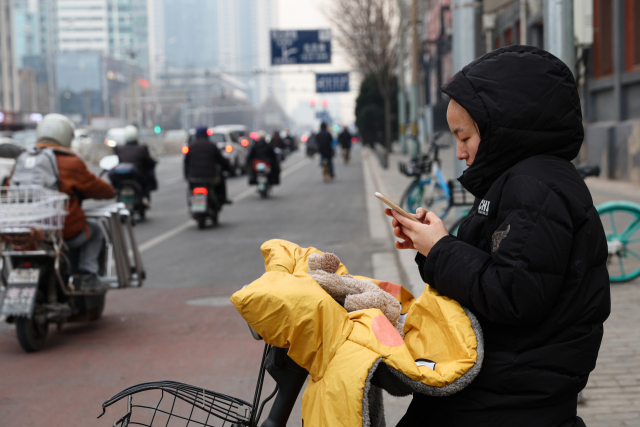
{"x": 530, "y": 258}
{"x": 344, "y": 139}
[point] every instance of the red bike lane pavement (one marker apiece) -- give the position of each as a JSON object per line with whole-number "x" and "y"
{"x": 144, "y": 335}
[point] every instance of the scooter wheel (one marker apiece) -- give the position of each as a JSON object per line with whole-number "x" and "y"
{"x": 31, "y": 335}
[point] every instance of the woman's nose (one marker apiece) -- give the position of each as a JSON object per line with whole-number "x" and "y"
{"x": 460, "y": 153}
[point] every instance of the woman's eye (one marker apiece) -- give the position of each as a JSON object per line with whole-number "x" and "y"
{"x": 465, "y": 140}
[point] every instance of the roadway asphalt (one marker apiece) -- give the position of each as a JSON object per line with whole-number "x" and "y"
{"x": 152, "y": 333}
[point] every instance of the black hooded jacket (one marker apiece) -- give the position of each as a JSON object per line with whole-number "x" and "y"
{"x": 530, "y": 259}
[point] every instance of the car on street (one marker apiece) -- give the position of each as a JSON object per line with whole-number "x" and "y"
{"x": 230, "y": 144}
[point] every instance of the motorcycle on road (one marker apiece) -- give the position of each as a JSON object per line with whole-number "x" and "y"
{"x": 262, "y": 170}
{"x": 203, "y": 200}
{"x": 37, "y": 268}
{"x": 126, "y": 180}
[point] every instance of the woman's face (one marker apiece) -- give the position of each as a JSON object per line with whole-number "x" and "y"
{"x": 465, "y": 131}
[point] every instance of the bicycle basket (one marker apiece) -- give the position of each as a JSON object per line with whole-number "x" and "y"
{"x": 32, "y": 207}
{"x": 178, "y": 404}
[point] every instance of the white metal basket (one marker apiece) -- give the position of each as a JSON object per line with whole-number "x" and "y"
{"x": 32, "y": 206}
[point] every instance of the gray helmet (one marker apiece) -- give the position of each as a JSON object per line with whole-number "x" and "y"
{"x": 57, "y": 128}
{"x": 130, "y": 133}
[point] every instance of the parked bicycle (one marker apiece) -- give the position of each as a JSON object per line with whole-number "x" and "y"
{"x": 184, "y": 405}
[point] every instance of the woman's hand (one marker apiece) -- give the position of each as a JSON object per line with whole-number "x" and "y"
{"x": 421, "y": 237}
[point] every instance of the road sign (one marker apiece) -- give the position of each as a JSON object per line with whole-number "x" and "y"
{"x": 332, "y": 82}
{"x": 300, "y": 47}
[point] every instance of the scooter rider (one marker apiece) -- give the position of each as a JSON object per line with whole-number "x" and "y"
{"x": 133, "y": 152}
{"x": 55, "y": 132}
{"x": 324, "y": 140}
{"x": 263, "y": 151}
{"x": 200, "y": 162}
{"x": 344, "y": 139}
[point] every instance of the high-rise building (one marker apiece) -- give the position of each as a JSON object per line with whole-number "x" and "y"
{"x": 227, "y": 36}
{"x": 9, "y": 95}
{"x": 116, "y": 28}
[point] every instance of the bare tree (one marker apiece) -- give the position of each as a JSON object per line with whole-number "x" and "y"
{"x": 368, "y": 31}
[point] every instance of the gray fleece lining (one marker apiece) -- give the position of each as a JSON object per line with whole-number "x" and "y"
{"x": 382, "y": 376}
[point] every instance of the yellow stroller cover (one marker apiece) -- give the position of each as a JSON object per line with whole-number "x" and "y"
{"x": 351, "y": 357}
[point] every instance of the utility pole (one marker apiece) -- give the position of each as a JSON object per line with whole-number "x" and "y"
{"x": 464, "y": 51}
{"x": 558, "y": 31}
{"x": 415, "y": 73}
{"x": 402, "y": 103}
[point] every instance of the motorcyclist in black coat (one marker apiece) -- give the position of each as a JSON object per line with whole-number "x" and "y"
{"x": 530, "y": 258}
{"x": 261, "y": 150}
{"x": 135, "y": 153}
{"x": 204, "y": 161}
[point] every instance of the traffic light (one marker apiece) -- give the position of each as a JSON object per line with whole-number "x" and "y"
{"x": 336, "y": 128}
{"x": 157, "y": 129}
{"x": 312, "y": 102}
{"x": 325, "y": 102}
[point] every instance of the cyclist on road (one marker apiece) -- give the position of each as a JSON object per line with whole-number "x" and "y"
{"x": 55, "y": 133}
{"x": 530, "y": 258}
{"x": 204, "y": 161}
{"x": 324, "y": 141}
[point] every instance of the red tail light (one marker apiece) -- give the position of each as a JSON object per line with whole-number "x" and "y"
{"x": 354, "y": 140}
{"x": 184, "y": 149}
{"x": 228, "y": 148}
{"x": 254, "y": 136}
{"x": 200, "y": 190}
{"x": 26, "y": 265}
{"x": 245, "y": 142}
{"x": 304, "y": 138}
{"x": 209, "y": 132}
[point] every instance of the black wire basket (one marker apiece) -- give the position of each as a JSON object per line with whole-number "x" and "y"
{"x": 177, "y": 404}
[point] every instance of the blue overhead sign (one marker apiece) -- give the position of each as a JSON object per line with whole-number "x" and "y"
{"x": 300, "y": 47}
{"x": 332, "y": 82}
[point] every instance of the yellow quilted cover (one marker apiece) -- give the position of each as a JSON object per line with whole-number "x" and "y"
{"x": 289, "y": 309}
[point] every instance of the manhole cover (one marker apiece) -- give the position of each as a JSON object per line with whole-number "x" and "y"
{"x": 212, "y": 301}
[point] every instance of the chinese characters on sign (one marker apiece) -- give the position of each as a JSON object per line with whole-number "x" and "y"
{"x": 332, "y": 82}
{"x": 300, "y": 47}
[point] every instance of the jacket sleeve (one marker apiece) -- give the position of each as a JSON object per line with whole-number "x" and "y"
{"x": 186, "y": 165}
{"x": 88, "y": 184}
{"x": 517, "y": 282}
{"x": 220, "y": 159}
{"x": 148, "y": 161}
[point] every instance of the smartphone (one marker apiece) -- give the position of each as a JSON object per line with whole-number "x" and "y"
{"x": 395, "y": 207}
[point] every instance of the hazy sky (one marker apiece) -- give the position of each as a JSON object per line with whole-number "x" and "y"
{"x": 307, "y": 14}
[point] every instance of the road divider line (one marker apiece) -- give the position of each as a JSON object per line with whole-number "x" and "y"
{"x": 164, "y": 236}
{"x": 180, "y": 228}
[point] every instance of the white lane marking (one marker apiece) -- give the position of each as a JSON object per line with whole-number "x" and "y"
{"x": 210, "y": 301}
{"x": 164, "y": 236}
{"x": 180, "y": 228}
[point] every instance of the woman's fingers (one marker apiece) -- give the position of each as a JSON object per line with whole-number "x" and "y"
{"x": 404, "y": 222}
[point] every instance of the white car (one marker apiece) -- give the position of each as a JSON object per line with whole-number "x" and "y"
{"x": 231, "y": 148}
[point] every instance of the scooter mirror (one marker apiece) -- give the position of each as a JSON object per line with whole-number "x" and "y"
{"x": 109, "y": 162}
{"x": 10, "y": 149}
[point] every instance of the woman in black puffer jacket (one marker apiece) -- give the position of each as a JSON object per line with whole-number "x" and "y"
{"x": 530, "y": 259}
